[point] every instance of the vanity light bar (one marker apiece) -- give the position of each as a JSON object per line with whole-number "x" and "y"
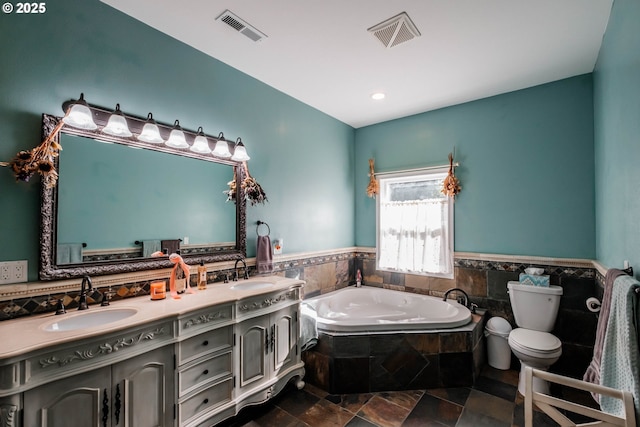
{"x": 147, "y": 133}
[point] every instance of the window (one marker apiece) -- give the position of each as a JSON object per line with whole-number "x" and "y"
{"x": 415, "y": 224}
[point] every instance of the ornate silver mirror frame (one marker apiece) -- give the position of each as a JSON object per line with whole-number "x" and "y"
{"x": 49, "y": 270}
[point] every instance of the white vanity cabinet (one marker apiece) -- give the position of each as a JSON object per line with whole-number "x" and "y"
{"x": 268, "y": 353}
{"x": 266, "y": 345}
{"x": 135, "y": 392}
{"x": 188, "y": 363}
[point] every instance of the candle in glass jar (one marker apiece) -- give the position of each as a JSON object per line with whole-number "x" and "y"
{"x": 158, "y": 290}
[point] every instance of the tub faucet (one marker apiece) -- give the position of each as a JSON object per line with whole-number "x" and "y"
{"x": 464, "y": 298}
{"x": 235, "y": 269}
{"x": 86, "y": 286}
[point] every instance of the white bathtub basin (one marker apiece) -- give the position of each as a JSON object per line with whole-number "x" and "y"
{"x": 89, "y": 319}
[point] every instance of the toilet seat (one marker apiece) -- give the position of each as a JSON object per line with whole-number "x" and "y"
{"x": 535, "y": 343}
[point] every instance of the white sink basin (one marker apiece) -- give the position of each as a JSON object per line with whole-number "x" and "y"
{"x": 89, "y": 319}
{"x": 246, "y": 286}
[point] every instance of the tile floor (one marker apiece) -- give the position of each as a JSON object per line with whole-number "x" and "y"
{"x": 493, "y": 401}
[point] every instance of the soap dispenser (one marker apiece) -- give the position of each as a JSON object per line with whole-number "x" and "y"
{"x": 202, "y": 276}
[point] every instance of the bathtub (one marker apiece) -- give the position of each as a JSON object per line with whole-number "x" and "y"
{"x": 369, "y": 309}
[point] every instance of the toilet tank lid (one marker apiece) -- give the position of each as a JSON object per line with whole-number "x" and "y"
{"x": 551, "y": 290}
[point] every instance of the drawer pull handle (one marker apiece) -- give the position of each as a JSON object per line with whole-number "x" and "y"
{"x": 206, "y": 372}
{"x": 205, "y": 401}
{"x": 205, "y": 343}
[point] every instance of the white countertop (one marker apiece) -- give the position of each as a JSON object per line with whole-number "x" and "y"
{"x": 26, "y": 334}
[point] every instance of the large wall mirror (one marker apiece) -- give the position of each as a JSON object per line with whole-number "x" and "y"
{"x": 117, "y": 202}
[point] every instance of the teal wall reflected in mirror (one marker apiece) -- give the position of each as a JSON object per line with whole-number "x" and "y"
{"x": 110, "y": 195}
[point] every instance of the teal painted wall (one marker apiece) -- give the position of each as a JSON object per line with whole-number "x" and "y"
{"x": 301, "y": 156}
{"x": 617, "y": 138}
{"x": 527, "y": 168}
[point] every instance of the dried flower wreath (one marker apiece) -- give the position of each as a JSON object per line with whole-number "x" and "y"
{"x": 252, "y": 189}
{"x": 373, "y": 188}
{"x": 40, "y": 159}
{"x": 451, "y": 184}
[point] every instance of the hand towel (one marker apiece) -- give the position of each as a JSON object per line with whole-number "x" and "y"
{"x": 264, "y": 255}
{"x": 69, "y": 253}
{"x": 620, "y": 366}
{"x": 171, "y": 246}
{"x": 149, "y": 247}
{"x": 592, "y": 374}
{"x": 308, "y": 327}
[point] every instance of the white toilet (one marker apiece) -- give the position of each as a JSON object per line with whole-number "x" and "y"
{"x": 535, "y": 309}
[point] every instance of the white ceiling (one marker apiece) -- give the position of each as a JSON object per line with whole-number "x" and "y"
{"x": 321, "y": 53}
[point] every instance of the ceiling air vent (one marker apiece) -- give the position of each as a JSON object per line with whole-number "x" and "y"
{"x": 396, "y": 30}
{"x": 241, "y": 26}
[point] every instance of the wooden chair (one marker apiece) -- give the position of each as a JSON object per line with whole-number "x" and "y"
{"x": 549, "y": 404}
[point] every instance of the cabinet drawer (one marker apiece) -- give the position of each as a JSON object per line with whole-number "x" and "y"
{"x": 196, "y": 321}
{"x": 204, "y": 372}
{"x": 205, "y": 343}
{"x": 206, "y": 400}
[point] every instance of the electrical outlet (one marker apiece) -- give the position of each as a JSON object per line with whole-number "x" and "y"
{"x": 20, "y": 271}
{"x": 13, "y": 272}
{"x": 5, "y": 272}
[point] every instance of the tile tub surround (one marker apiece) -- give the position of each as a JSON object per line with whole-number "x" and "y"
{"x": 483, "y": 276}
{"x": 392, "y": 361}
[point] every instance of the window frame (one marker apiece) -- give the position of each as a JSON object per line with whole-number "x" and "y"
{"x": 435, "y": 173}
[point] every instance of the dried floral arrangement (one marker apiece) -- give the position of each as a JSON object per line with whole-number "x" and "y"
{"x": 451, "y": 184}
{"x": 40, "y": 159}
{"x": 252, "y": 189}
{"x": 373, "y": 188}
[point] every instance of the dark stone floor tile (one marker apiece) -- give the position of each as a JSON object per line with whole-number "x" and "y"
{"x": 276, "y": 417}
{"x": 457, "y": 395}
{"x": 359, "y": 422}
{"x": 510, "y": 376}
{"x": 351, "y": 402}
{"x": 383, "y": 413}
{"x": 496, "y": 388}
{"x": 475, "y": 419}
{"x": 310, "y": 388}
{"x": 540, "y": 419}
{"x": 325, "y": 414}
{"x": 430, "y": 409}
{"x": 406, "y": 399}
{"x": 480, "y": 403}
{"x": 296, "y": 402}
{"x": 247, "y": 415}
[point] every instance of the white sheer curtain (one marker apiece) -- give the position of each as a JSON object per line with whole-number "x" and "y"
{"x": 414, "y": 236}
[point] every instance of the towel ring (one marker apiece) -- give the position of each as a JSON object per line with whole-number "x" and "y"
{"x": 258, "y": 228}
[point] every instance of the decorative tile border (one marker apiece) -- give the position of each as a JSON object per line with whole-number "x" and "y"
{"x": 39, "y": 297}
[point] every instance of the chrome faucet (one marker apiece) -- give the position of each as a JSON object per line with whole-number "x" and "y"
{"x": 235, "y": 269}
{"x": 86, "y": 286}
{"x": 460, "y": 299}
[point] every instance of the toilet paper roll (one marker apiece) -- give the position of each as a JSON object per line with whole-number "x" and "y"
{"x": 593, "y": 304}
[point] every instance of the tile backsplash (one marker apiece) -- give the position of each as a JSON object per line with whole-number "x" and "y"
{"x": 483, "y": 277}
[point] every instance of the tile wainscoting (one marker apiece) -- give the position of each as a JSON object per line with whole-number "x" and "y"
{"x": 483, "y": 276}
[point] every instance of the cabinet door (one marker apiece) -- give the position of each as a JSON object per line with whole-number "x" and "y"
{"x": 143, "y": 390}
{"x": 79, "y": 401}
{"x": 253, "y": 341}
{"x": 284, "y": 338}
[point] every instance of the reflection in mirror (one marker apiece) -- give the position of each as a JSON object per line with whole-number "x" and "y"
{"x": 115, "y": 204}
{"x": 111, "y": 196}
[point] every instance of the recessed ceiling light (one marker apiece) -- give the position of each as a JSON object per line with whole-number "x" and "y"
{"x": 378, "y": 96}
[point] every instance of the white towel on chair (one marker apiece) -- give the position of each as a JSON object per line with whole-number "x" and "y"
{"x": 620, "y": 366}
